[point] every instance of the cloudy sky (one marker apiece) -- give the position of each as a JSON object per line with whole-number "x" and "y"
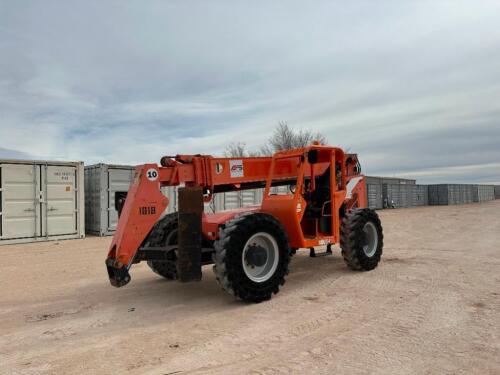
{"x": 412, "y": 86}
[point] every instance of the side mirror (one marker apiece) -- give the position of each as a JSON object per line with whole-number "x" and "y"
{"x": 312, "y": 156}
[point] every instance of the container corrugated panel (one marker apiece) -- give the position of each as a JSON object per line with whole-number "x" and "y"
{"x": 102, "y": 181}
{"x": 396, "y": 195}
{"x": 251, "y": 197}
{"x": 433, "y": 194}
{"x": 41, "y": 201}
{"x": 488, "y": 192}
{"x": 231, "y": 200}
{"x": 397, "y": 181}
{"x": 419, "y": 195}
{"x": 483, "y": 193}
{"x": 451, "y": 194}
{"x": 373, "y": 180}
{"x": 280, "y": 190}
{"x": 468, "y": 189}
{"x": 497, "y": 191}
{"x": 374, "y": 196}
{"x": 439, "y": 194}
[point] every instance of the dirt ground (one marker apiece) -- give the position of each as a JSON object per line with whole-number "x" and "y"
{"x": 432, "y": 306}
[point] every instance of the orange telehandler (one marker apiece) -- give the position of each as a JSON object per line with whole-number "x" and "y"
{"x": 250, "y": 247}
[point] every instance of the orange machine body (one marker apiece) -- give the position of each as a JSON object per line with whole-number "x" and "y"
{"x": 299, "y": 169}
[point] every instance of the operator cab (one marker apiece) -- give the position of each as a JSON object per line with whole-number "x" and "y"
{"x": 314, "y": 197}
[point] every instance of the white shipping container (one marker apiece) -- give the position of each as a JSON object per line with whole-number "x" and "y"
{"x": 102, "y": 181}
{"x": 41, "y": 201}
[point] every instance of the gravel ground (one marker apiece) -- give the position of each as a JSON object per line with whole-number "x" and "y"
{"x": 432, "y": 306}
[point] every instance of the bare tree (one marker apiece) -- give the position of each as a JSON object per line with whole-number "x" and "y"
{"x": 238, "y": 149}
{"x": 285, "y": 138}
{"x": 235, "y": 149}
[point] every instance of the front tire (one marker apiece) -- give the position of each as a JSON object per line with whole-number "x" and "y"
{"x": 361, "y": 239}
{"x": 252, "y": 257}
{"x": 164, "y": 233}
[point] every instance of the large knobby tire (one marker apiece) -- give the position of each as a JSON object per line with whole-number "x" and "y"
{"x": 361, "y": 239}
{"x": 251, "y": 257}
{"x": 164, "y": 233}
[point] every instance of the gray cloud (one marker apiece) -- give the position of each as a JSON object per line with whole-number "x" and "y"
{"x": 412, "y": 86}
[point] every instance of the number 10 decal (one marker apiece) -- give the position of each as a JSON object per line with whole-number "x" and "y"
{"x": 152, "y": 174}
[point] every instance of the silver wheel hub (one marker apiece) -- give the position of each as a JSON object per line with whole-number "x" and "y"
{"x": 370, "y": 243}
{"x": 260, "y": 257}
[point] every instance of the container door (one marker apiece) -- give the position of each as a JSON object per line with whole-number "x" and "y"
{"x": 59, "y": 208}
{"x": 20, "y": 201}
{"x": 118, "y": 180}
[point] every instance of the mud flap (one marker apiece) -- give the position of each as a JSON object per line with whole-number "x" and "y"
{"x": 190, "y": 201}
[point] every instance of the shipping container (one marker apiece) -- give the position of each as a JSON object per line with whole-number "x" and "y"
{"x": 234, "y": 199}
{"x": 374, "y": 194}
{"x": 419, "y": 195}
{"x": 397, "y": 181}
{"x": 450, "y": 194}
{"x": 41, "y": 201}
{"x": 397, "y": 195}
{"x": 483, "y": 193}
{"x": 102, "y": 181}
{"x": 497, "y": 191}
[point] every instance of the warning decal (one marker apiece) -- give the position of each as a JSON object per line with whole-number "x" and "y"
{"x": 236, "y": 168}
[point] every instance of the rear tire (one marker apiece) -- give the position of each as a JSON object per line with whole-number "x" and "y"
{"x": 361, "y": 239}
{"x": 251, "y": 257}
{"x": 164, "y": 233}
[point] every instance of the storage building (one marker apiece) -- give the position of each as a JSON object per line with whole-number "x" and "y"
{"x": 41, "y": 200}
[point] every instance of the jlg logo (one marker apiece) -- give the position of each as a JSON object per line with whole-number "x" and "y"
{"x": 236, "y": 168}
{"x": 147, "y": 210}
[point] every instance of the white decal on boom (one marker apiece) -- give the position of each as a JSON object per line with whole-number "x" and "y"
{"x": 236, "y": 168}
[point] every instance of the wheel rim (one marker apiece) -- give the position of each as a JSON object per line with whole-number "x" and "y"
{"x": 371, "y": 239}
{"x": 260, "y": 257}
